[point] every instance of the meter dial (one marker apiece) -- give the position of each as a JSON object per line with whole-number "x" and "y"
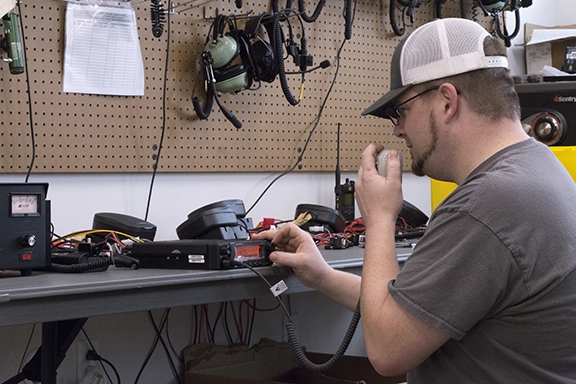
{"x": 24, "y": 205}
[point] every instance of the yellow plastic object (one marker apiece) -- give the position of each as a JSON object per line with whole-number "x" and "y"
{"x": 567, "y": 156}
{"x": 439, "y": 190}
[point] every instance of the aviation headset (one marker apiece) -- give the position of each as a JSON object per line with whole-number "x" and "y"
{"x": 231, "y": 64}
{"x": 230, "y": 77}
{"x": 233, "y": 61}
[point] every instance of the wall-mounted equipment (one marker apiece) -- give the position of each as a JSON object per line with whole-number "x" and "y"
{"x": 549, "y": 111}
{"x": 12, "y": 43}
{"x": 25, "y": 223}
{"x": 237, "y": 59}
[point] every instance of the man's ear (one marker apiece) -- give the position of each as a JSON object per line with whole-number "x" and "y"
{"x": 450, "y": 99}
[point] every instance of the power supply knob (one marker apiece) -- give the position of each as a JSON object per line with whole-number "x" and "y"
{"x": 27, "y": 241}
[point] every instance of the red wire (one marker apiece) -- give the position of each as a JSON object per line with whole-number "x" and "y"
{"x": 27, "y": 346}
{"x": 168, "y": 335}
{"x": 238, "y": 326}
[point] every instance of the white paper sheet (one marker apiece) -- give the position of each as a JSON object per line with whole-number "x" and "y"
{"x": 6, "y": 6}
{"x": 102, "y": 51}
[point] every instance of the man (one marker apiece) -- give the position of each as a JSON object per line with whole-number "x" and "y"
{"x": 489, "y": 292}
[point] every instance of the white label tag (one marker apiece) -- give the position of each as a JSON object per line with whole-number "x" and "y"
{"x": 278, "y": 288}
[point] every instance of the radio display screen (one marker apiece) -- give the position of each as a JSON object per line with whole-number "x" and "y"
{"x": 247, "y": 252}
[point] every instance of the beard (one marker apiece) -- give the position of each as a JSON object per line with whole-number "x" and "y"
{"x": 419, "y": 160}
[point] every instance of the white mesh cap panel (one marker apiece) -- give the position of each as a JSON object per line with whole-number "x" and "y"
{"x": 429, "y": 55}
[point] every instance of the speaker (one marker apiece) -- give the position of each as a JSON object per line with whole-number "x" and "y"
{"x": 548, "y": 111}
{"x": 225, "y": 220}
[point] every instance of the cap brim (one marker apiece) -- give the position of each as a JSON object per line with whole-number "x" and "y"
{"x": 379, "y": 107}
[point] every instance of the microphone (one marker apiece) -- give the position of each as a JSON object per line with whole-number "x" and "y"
{"x": 229, "y": 115}
{"x": 348, "y": 19}
{"x": 12, "y": 43}
{"x": 325, "y": 64}
{"x": 233, "y": 119}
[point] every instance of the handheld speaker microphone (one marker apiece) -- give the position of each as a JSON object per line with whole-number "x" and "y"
{"x": 12, "y": 43}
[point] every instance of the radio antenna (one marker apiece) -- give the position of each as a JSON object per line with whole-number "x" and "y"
{"x": 338, "y": 157}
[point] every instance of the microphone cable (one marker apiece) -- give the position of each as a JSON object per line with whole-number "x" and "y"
{"x": 318, "y": 118}
{"x": 293, "y": 338}
{"x": 323, "y": 65}
{"x": 156, "y": 157}
{"x": 317, "y": 11}
{"x": 279, "y": 55}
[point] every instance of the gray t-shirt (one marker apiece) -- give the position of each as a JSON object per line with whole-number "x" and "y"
{"x": 496, "y": 270}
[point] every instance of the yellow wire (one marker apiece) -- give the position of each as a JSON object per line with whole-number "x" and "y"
{"x": 75, "y": 235}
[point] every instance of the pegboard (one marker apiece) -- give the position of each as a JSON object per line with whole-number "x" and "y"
{"x": 86, "y": 133}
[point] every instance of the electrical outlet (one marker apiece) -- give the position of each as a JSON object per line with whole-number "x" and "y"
{"x": 82, "y": 364}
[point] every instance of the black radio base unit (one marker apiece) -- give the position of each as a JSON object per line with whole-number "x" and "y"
{"x": 202, "y": 254}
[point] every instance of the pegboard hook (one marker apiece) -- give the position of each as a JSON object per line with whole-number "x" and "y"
{"x": 174, "y": 8}
{"x": 239, "y": 16}
{"x": 194, "y": 5}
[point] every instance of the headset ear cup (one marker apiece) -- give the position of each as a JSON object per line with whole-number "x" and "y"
{"x": 264, "y": 59}
{"x": 492, "y": 6}
{"x": 232, "y": 80}
{"x": 223, "y": 50}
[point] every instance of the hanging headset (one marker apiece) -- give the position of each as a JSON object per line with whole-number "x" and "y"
{"x": 235, "y": 60}
{"x": 494, "y": 8}
{"x": 220, "y": 71}
{"x": 229, "y": 76}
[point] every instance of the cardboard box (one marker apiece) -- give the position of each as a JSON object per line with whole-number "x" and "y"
{"x": 547, "y": 45}
{"x": 271, "y": 362}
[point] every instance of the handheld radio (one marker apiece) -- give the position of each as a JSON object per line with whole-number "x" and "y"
{"x": 344, "y": 192}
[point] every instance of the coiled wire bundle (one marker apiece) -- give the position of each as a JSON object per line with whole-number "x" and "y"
{"x": 158, "y": 17}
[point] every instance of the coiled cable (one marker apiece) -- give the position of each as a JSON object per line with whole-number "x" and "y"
{"x": 323, "y": 367}
{"x": 158, "y": 17}
{"x": 279, "y": 56}
{"x": 293, "y": 339}
{"x": 317, "y": 11}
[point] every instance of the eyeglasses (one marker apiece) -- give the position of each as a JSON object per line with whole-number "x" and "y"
{"x": 393, "y": 113}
